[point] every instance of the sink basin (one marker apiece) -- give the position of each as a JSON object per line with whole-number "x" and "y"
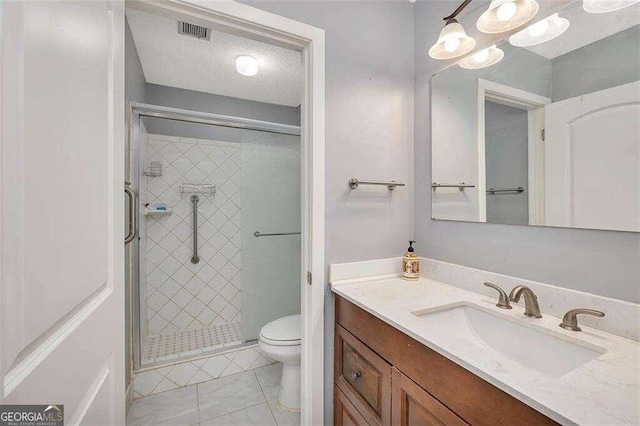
{"x": 505, "y": 337}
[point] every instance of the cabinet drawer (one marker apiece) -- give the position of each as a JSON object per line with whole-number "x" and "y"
{"x": 364, "y": 377}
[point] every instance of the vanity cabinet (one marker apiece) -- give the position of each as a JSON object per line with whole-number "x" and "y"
{"x": 383, "y": 377}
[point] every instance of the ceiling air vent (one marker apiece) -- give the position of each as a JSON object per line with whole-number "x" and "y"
{"x": 193, "y": 30}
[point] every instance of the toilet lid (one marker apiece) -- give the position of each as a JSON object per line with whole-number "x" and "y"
{"x": 285, "y": 329}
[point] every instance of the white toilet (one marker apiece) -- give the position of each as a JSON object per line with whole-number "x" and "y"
{"x": 280, "y": 340}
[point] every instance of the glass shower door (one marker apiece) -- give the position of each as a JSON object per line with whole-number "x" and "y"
{"x": 271, "y": 243}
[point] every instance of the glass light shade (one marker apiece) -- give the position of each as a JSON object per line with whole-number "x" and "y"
{"x": 482, "y": 59}
{"x": 247, "y": 65}
{"x": 540, "y": 32}
{"x": 452, "y": 43}
{"x": 605, "y": 6}
{"x": 506, "y": 15}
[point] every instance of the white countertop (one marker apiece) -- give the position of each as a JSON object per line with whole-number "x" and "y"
{"x": 603, "y": 391}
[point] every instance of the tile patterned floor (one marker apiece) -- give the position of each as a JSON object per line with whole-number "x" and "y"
{"x": 243, "y": 399}
{"x": 177, "y": 344}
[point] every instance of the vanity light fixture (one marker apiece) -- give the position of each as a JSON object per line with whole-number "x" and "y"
{"x": 452, "y": 43}
{"x": 506, "y": 15}
{"x": 247, "y": 65}
{"x": 540, "y": 32}
{"x": 606, "y": 6}
{"x": 482, "y": 59}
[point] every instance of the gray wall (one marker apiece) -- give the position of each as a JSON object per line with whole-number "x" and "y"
{"x": 610, "y": 62}
{"x": 134, "y": 82}
{"x": 369, "y": 131}
{"x": 601, "y": 262}
{"x": 206, "y": 102}
{"x": 506, "y": 146}
{"x": 163, "y": 126}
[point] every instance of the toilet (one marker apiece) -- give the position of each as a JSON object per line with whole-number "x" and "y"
{"x": 280, "y": 340}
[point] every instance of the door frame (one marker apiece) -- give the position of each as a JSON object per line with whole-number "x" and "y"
{"x": 246, "y": 21}
{"x": 534, "y": 105}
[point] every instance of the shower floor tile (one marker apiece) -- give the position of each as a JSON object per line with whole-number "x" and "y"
{"x": 177, "y": 344}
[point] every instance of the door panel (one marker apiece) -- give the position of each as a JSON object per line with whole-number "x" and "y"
{"x": 592, "y": 154}
{"x": 414, "y": 406}
{"x": 62, "y": 298}
{"x": 345, "y": 413}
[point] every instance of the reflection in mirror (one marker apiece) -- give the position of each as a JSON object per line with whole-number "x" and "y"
{"x": 548, "y": 135}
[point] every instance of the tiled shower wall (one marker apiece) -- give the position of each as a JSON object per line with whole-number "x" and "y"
{"x": 181, "y": 295}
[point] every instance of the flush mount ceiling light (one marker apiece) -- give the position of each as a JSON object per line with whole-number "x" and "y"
{"x": 247, "y": 65}
{"x": 606, "y": 6}
{"x": 482, "y": 59}
{"x": 506, "y": 15}
{"x": 540, "y": 32}
{"x": 452, "y": 43}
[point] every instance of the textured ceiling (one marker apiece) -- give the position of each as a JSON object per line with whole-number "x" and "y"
{"x": 175, "y": 60}
{"x": 586, "y": 28}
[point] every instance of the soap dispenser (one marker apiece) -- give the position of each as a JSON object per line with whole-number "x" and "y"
{"x": 410, "y": 264}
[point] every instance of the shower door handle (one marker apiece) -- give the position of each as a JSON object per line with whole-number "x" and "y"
{"x": 194, "y": 200}
{"x": 133, "y": 213}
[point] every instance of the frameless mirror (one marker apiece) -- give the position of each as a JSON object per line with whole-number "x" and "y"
{"x": 550, "y": 134}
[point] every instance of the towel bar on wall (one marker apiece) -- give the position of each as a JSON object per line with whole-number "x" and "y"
{"x": 259, "y": 234}
{"x": 461, "y": 186}
{"x": 391, "y": 184}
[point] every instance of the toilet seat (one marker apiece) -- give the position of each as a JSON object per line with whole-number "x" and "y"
{"x": 284, "y": 331}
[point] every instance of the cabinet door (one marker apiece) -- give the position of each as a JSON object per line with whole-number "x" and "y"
{"x": 413, "y": 406}
{"x": 345, "y": 414}
{"x": 364, "y": 377}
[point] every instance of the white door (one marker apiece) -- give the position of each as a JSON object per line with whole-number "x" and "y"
{"x": 592, "y": 154}
{"x": 62, "y": 293}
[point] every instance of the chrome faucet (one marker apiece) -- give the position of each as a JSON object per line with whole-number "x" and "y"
{"x": 531, "y": 308}
{"x": 570, "y": 320}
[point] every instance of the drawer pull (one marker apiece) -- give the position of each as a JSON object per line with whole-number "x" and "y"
{"x": 357, "y": 375}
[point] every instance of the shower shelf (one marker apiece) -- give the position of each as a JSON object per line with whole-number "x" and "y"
{"x": 154, "y": 212}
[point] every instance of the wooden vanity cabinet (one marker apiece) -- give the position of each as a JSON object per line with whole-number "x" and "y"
{"x": 383, "y": 377}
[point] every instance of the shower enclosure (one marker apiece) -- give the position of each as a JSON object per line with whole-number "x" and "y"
{"x": 215, "y": 252}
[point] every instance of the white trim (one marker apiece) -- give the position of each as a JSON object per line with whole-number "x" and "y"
{"x": 237, "y": 18}
{"x": 521, "y": 99}
{"x": 536, "y": 170}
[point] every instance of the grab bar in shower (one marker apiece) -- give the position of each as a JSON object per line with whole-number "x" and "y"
{"x": 133, "y": 213}
{"x": 194, "y": 201}
{"x": 259, "y": 234}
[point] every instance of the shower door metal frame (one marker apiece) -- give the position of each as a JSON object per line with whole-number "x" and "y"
{"x": 136, "y": 112}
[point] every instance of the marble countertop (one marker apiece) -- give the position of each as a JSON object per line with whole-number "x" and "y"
{"x": 605, "y": 390}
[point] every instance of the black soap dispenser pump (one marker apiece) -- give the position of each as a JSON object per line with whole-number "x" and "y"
{"x": 410, "y": 264}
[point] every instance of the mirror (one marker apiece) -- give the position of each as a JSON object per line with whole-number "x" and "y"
{"x": 550, "y": 134}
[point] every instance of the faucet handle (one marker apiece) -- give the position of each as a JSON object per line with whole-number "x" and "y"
{"x": 570, "y": 320}
{"x": 503, "y": 301}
